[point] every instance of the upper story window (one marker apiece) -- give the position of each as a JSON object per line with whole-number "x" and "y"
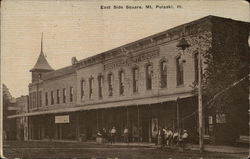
{"x": 30, "y": 101}
{"x": 46, "y": 99}
{"x": 91, "y": 80}
{"x": 34, "y": 99}
{"x": 100, "y": 85}
{"x": 163, "y": 71}
{"x": 135, "y": 72}
{"x": 110, "y": 84}
{"x": 149, "y": 75}
{"x": 57, "y": 96}
{"x": 39, "y": 98}
{"x": 82, "y": 88}
{"x": 71, "y": 94}
{"x": 52, "y": 97}
{"x": 196, "y": 74}
{"x": 179, "y": 71}
{"x": 64, "y": 95}
{"x": 121, "y": 82}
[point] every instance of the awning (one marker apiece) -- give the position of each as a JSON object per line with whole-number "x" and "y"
{"x": 120, "y": 103}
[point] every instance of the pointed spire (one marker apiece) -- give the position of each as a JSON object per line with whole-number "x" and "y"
{"x": 42, "y": 43}
{"x": 42, "y": 63}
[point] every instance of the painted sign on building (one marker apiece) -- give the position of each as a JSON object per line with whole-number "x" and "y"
{"x": 62, "y": 119}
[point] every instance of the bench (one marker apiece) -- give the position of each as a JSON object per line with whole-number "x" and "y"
{"x": 243, "y": 139}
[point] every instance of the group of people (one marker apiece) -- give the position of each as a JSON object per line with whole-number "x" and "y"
{"x": 110, "y": 136}
{"x": 166, "y": 137}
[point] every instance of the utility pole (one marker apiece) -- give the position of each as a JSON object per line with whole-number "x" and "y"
{"x": 200, "y": 110}
{"x": 183, "y": 44}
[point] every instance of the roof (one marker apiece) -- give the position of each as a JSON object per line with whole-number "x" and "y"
{"x": 59, "y": 72}
{"x": 42, "y": 64}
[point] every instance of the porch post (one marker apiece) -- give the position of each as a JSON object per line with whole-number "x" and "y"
{"x": 138, "y": 123}
{"x": 97, "y": 125}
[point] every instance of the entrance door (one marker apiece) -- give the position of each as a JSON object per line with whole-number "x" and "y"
{"x": 145, "y": 132}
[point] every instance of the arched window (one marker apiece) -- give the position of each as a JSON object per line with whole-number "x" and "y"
{"x": 64, "y": 95}
{"x": 163, "y": 71}
{"x": 135, "y": 72}
{"x": 57, "y": 96}
{"x": 91, "y": 80}
{"x": 100, "y": 85}
{"x": 110, "y": 84}
{"x": 179, "y": 71}
{"x": 71, "y": 94}
{"x": 82, "y": 88}
{"x": 149, "y": 75}
{"x": 121, "y": 82}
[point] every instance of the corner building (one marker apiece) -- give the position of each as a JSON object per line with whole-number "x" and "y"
{"x": 144, "y": 85}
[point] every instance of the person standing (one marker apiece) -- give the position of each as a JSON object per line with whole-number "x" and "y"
{"x": 125, "y": 133}
{"x": 163, "y": 131}
{"x": 176, "y": 138}
{"x": 113, "y": 134}
{"x": 184, "y": 138}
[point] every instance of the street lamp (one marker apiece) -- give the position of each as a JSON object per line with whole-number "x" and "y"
{"x": 183, "y": 44}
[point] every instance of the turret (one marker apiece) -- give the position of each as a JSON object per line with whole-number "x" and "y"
{"x": 42, "y": 66}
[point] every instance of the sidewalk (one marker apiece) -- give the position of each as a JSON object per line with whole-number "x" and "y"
{"x": 209, "y": 148}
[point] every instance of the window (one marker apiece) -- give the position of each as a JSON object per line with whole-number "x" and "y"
{"x": 91, "y": 88}
{"x": 52, "y": 97}
{"x": 135, "y": 79}
{"x": 64, "y": 95}
{"x": 179, "y": 71}
{"x": 220, "y": 118}
{"x": 163, "y": 70}
{"x": 82, "y": 88}
{"x": 110, "y": 84}
{"x": 71, "y": 94}
{"x": 196, "y": 73}
{"x": 46, "y": 99}
{"x": 58, "y": 96}
{"x": 39, "y": 98}
{"x": 121, "y": 82}
{"x": 100, "y": 85}
{"x": 30, "y": 101}
{"x": 149, "y": 74}
{"x": 34, "y": 100}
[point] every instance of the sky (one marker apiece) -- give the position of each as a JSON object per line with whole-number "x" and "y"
{"x": 81, "y": 29}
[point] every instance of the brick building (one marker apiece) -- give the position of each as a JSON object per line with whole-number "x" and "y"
{"x": 135, "y": 85}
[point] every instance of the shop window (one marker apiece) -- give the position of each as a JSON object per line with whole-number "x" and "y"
{"x": 135, "y": 79}
{"x": 64, "y": 95}
{"x": 46, "y": 99}
{"x": 82, "y": 88}
{"x": 91, "y": 88}
{"x": 52, "y": 97}
{"x": 149, "y": 75}
{"x": 121, "y": 82}
{"x": 163, "y": 70}
{"x": 58, "y": 96}
{"x": 100, "y": 85}
{"x": 196, "y": 73}
{"x": 71, "y": 94}
{"x": 110, "y": 84}
{"x": 179, "y": 71}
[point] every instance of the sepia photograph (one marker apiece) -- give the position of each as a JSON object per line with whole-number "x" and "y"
{"x": 132, "y": 79}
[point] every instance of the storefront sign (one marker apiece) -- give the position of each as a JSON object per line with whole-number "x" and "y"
{"x": 62, "y": 119}
{"x": 135, "y": 59}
